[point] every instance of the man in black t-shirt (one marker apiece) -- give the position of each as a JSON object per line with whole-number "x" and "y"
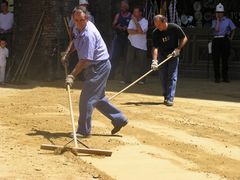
{"x": 168, "y": 38}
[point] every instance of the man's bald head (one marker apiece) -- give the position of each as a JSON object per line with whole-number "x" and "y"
{"x": 160, "y": 22}
{"x": 160, "y": 17}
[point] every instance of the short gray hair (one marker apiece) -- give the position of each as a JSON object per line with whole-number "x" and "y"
{"x": 79, "y": 9}
{"x": 161, "y": 18}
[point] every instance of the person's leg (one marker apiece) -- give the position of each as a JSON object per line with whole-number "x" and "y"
{"x": 124, "y": 51}
{"x": 225, "y": 56}
{"x": 216, "y": 58}
{"x": 129, "y": 63}
{"x": 8, "y": 36}
{"x": 111, "y": 112}
{"x": 115, "y": 57}
{"x": 93, "y": 95}
{"x": 141, "y": 57}
{"x": 91, "y": 92}
{"x": 172, "y": 78}
{"x": 4, "y": 73}
{"x": 86, "y": 106}
{"x": 1, "y": 74}
{"x": 163, "y": 72}
{"x": 103, "y": 104}
{"x": 112, "y": 46}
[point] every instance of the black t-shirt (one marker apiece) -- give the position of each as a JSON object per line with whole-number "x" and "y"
{"x": 166, "y": 41}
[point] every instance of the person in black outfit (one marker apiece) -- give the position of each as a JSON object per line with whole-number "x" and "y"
{"x": 168, "y": 38}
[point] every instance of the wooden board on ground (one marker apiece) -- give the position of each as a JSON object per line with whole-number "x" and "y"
{"x": 79, "y": 150}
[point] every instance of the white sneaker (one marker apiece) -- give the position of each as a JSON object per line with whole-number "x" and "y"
{"x": 168, "y": 103}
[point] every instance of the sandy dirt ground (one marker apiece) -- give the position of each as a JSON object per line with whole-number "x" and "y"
{"x": 197, "y": 138}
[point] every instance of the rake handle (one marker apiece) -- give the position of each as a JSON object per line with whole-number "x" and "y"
{"x": 71, "y": 109}
{"x": 143, "y": 76}
{"x": 72, "y": 116}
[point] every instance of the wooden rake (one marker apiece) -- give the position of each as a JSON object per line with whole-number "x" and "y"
{"x": 75, "y": 150}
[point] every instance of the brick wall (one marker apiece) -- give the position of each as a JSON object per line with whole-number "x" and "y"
{"x": 27, "y": 14}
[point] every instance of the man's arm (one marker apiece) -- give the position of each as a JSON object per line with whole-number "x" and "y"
{"x": 155, "y": 53}
{"x": 139, "y": 29}
{"x": 233, "y": 27}
{"x": 182, "y": 42}
{"x": 70, "y": 49}
{"x": 232, "y": 34}
{"x": 154, "y": 65}
{"x": 136, "y": 31}
{"x": 115, "y": 24}
{"x": 82, "y": 64}
{"x": 7, "y": 53}
{"x": 132, "y": 31}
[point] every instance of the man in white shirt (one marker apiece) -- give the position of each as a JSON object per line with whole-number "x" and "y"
{"x": 137, "y": 47}
{"x": 6, "y": 23}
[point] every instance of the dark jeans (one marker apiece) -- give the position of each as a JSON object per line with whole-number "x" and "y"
{"x": 135, "y": 54}
{"x": 169, "y": 74}
{"x": 119, "y": 50}
{"x": 220, "y": 50}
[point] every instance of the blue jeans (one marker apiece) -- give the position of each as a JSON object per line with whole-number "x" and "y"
{"x": 168, "y": 76}
{"x": 93, "y": 96}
